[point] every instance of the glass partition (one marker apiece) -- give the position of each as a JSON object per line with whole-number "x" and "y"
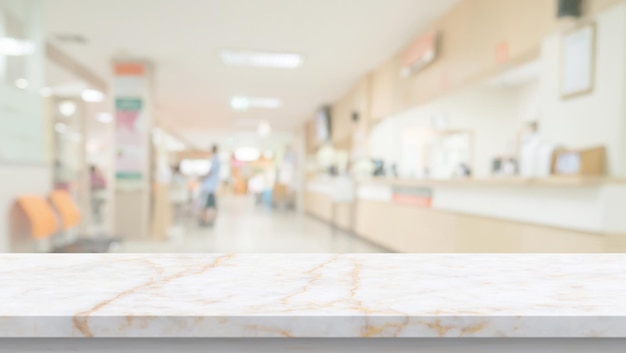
{"x": 23, "y": 127}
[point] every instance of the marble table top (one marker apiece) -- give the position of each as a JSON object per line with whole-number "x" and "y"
{"x": 310, "y": 295}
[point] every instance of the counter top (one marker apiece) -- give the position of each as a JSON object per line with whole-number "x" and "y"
{"x": 308, "y": 295}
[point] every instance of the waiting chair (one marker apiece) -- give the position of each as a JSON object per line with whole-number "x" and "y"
{"x": 40, "y": 221}
{"x": 69, "y": 216}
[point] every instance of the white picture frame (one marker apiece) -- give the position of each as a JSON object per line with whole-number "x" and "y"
{"x": 577, "y": 61}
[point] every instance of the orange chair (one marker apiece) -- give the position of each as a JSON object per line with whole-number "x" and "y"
{"x": 68, "y": 211}
{"x": 42, "y": 220}
{"x": 69, "y": 215}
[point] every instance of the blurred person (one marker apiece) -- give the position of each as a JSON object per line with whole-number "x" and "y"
{"x": 210, "y": 185}
{"x": 98, "y": 185}
{"x": 96, "y": 178}
{"x": 256, "y": 186}
{"x": 178, "y": 192}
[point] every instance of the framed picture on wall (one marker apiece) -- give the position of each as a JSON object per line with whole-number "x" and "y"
{"x": 577, "y": 60}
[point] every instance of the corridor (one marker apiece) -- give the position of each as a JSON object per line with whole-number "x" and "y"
{"x": 243, "y": 227}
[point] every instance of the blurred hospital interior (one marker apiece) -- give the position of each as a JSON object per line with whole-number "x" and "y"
{"x": 313, "y": 126}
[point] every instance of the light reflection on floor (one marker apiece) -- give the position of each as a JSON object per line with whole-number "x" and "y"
{"x": 244, "y": 227}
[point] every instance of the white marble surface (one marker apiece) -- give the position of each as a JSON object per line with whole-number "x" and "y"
{"x": 305, "y": 295}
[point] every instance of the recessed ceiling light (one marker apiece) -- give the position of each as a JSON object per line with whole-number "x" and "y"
{"x": 67, "y": 108}
{"x": 245, "y": 103}
{"x": 16, "y": 47}
{"x": 92, "y": 95}
{"x": 21, "y": 83}
{"x": 261, "y": 59}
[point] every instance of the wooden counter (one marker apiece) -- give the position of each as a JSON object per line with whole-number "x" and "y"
{"x": 561, "y": 214}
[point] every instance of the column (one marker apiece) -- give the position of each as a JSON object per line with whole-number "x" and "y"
{"x": 132, "y": 99}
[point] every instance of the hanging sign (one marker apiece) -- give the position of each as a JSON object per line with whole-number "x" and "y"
{"x": 420, "y": 54}
{"x": 129, "y": 138}
{"x": 413, "y": 196}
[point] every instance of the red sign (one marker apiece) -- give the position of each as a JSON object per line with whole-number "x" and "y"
{"x": 412, "y": 200}
{"x": 412, "y": 196}
{"x": 128, "y": 69}
{"x": 502, "y": 52}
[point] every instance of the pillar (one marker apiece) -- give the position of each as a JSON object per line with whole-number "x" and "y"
{"x": 132, "y": 100}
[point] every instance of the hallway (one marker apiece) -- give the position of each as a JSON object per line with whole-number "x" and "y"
{"x": 244, "y": 227}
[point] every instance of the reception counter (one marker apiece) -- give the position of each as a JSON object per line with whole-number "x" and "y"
{"x": 509, "y": 215}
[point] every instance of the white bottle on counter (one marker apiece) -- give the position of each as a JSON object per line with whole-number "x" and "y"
{"x": 528, "y": 155}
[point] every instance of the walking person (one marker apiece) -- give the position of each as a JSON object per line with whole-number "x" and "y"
{"x": 210, "y": 186}
{"x": 98, "y": 185}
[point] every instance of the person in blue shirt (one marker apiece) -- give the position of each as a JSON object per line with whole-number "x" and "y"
{"x": 210, "y": 186}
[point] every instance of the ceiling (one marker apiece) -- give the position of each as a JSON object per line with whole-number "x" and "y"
{"x": 341, "y": 40}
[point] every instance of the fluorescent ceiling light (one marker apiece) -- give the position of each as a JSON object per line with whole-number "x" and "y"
{"x": 247, "y": 154}
{"x": 245, "y": 103}
{"x": 264, "y": 129}
{"x": 240, "y": 103}
{"x": 92, "y": 95}
{"x": 105, "y": 118}
{"x": 15, "y": 47}
{"x": 261, "y": 59}
{"x": 21, "y": 83}
{"x": 67, "y": 108}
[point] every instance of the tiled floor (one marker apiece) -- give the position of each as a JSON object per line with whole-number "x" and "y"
{"x": 244, "y": 227}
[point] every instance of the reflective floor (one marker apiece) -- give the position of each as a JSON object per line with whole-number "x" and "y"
{"x": 244, "y": 227}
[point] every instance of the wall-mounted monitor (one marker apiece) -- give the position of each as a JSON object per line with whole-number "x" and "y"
{"x": 569, "y": 8}
{"x": 323, "y": 124}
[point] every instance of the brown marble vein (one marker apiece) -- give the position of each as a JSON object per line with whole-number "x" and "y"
{"x": 81, "y": 320}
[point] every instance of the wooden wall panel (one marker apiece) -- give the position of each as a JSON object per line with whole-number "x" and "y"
{"x": 422, "y": 230}
{"x": 405, "y": 229}
{"x": 595, "y": 6}
{"x": 310, "y": 135}
{"x": 318, "y": 205}
{"x": 551, "y": 240}
{"x": 469, "y": 36}
{"x": 356, "y": 100}
{"x": 343, "y": 215}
